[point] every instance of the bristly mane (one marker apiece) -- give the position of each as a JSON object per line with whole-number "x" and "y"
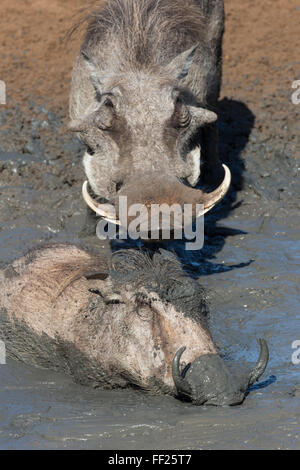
{"x": 143, "y": 27}
{"x": 164, "y": 274}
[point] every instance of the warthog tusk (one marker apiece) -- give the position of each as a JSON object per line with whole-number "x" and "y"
{"x": 176, "y": 372}
{"x": 181, "y": 386}
{"x": 211, "y": 199}
{"x": 262, "y": 362}
{"x": 106, "y": 211}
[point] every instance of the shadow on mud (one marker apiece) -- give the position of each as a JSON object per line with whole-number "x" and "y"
{"x": 235, "y": 125}
{"x": 263, "y": 384}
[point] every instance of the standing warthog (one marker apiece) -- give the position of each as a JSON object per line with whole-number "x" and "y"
{"x": 125, "y": 323}
{"x": 143, "y": 91}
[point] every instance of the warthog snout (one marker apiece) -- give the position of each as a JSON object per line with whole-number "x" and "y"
{"x": 208, "y": 381}
{"x": 162, "y": 193}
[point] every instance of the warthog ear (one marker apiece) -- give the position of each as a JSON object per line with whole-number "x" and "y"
{"x": 180, "y": 66}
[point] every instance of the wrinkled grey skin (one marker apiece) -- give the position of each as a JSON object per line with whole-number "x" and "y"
{"x": 116, "y": 324}
{"x": 148, "y": 74}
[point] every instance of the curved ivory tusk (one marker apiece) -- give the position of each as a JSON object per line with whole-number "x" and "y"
{"x": 183, "y": 388}
{"x": 106, "y": 211}
{"x": 217, "y": 195}
{"x": 176, "y": 366}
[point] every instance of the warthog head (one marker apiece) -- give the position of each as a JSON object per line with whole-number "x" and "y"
{"x": 133, "y": 106}
{"x": 170, "y": 306}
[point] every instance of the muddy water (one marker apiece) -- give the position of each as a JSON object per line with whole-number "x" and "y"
{"x": 254, "y": 291}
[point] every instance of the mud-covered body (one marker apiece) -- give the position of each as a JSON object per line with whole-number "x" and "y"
{"x": 53, "y": 315}
{"x": 113, "y": 324}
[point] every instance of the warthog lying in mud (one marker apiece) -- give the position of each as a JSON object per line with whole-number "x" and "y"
{"x": 143, "y": 91}
{"x": 126, "y": 322}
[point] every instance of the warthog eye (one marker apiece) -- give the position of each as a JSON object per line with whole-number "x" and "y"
{"x": 182, "y": 116}
{"x": 185, "y": 118}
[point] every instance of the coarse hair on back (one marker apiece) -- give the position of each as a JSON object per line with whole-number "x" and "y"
{"x": 143, "y": 28}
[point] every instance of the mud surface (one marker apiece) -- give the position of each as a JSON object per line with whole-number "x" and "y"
{"x": 249, "y": 264}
